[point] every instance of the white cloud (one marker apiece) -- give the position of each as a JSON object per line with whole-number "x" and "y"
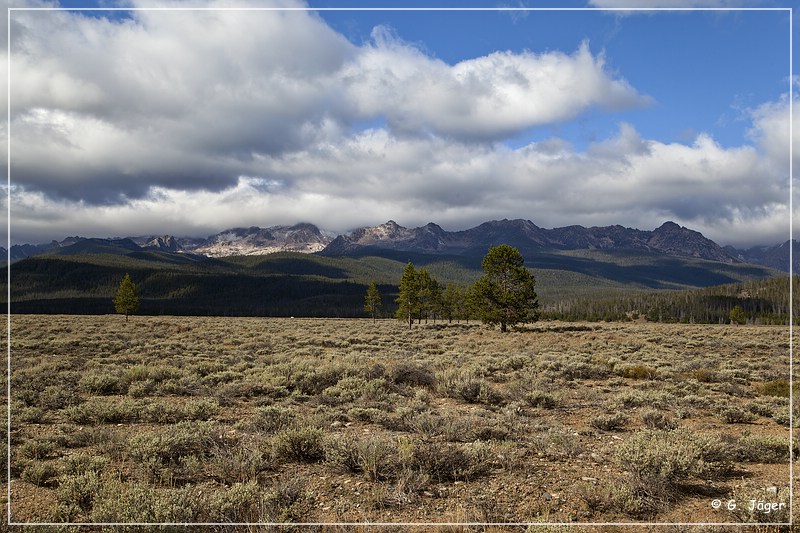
{"x": 487, "y": 97}
{"x": 770, "y": 131}
{"x": 375, "y": 176}
{"x": 191, "y": 99}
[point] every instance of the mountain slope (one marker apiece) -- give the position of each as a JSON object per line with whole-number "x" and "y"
{"x": 772, "y": 256}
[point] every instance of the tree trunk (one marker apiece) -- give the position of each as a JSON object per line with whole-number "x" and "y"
{"x": 502, "y": 327}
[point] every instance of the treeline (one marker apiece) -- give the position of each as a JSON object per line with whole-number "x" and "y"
{"x": 764, "y": 301}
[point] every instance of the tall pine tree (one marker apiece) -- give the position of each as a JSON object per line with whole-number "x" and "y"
{"x": 409, "y": 301}
{"x": 506, "y": 293}
{"x": 372, "y": 302}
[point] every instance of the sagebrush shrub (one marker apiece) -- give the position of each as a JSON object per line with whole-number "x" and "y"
{"x": 763, "y": 449}
{"x": 608, "y": 421}
{"x": 303, "y": 444}
{"x": 778, "y": 388}
{"x": 451, "y": 462}
{"x": 414, "y": 375}
{"x": 736, "y": 415}
{"x": 41, "y": 474}
{"x": 544, "y": 400}
{"x": 655, "y": 419}
{"x": 639, "y": 372}
{"x": 171, "y": 444}
{"x": 658, "y": 461}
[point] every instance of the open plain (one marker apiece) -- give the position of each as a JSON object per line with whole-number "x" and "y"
{"x": 264, "y": 420}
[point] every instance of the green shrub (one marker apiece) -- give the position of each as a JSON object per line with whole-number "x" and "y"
{"x": 451, "y": 462}
{"x": 558, "y": 442}
{"x": 770, "y": 505}
{"x": 372, "y": 456}
{"x": 271, "y": 418}
{"x": 238, "y": 463}
{"x": 102, "y": 411}
{"x": 703, "y": 375}
{"x": 763, "y": 449}
{"x": 736, "y": 415}
{"x": 638, "y": 372}
{"x": 287, "y": 501}
{"x": 303, "y": 444}
{"x": 128, "y": 503}
{"x": 141, "y": 389}
{"x": 242, "y": 502}
{"x": 55, "y": 397}
{"x": 76, "y": 493}
{"x": 96, "y": 382}
{"x": 658, "y": 461}
{"x": 80, "y": 463}
{"x": 655, "y": 419}
{"x": 544, "y": 400}
{"x": 171, "y": 444}
{"x": 609, "y": 421}
{"x": 36, "y": 449}
{"x": 347, "y": 390}
{"x": 316, "y": 381}
{"x": 414, "y": 375}
{"x": 41, "y": 474}
{"x": 778, "y": 388}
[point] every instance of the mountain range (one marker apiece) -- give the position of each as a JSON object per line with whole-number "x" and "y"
{"x": 669, "y": 239}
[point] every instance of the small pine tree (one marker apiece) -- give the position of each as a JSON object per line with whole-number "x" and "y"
{"x": 372, "y": 302}
{"x": 127, "y": 300}
{"x": 737, "y": 315}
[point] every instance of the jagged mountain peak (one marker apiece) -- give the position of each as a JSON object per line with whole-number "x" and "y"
{"x": 303, "y": 237}
{"x": 165, "y": 243}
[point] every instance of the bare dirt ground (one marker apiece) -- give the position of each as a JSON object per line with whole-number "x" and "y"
{"x": 252, "y": 420}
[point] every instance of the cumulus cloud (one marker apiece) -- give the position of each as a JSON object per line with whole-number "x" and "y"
{"x": 770, "y": 131}
{"x": 103, "y": 110}
{"x": 374, "y": 176}
{"x": 484, "y": 98}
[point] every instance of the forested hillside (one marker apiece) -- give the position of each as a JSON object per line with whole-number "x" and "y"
{"x": 572, "y": 285}
{"x": 764, "y": 301}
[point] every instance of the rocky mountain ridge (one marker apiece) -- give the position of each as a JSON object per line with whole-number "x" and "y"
{"x": 668, "y": 239}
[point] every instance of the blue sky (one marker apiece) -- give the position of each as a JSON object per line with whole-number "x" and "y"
{"x": 188, "y": 123}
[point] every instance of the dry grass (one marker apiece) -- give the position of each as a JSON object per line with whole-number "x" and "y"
{"x": 265, "y": 420}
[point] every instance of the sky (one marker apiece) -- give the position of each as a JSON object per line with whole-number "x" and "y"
{"x": 190, "y": 122}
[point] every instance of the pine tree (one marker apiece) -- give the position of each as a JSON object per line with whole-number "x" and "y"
{"x": 409, "y": 302}
{"x": 453, "y": 302}
{"x": 372, "y": 302}
{"x": 430, "y": 294}
{"x": 737, "y": 315}
{"x": 506, "y": 293}
{"x": 126, "y": 300}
